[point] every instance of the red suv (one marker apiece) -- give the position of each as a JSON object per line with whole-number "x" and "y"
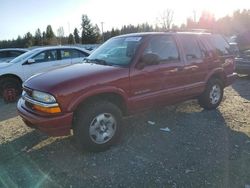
{"x": 127, "y": 74}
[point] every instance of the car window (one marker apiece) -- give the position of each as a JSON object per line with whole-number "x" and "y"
{"x": 220, "y": 44}
{"x": 66, "y": 54}
{"x": 190, "y": 47}
{"x": 15, "y": 53}
{"x": 45, "y": 56}
{"x": 3, "y": 54}
{"x": 77, "y": 54}
{"x": 164, "y": 46}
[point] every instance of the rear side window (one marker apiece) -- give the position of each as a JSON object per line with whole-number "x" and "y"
{"x": 15, "y": 53}
{"x": 66, "y": 54}
{"x": 72, "y": 53}
{"x": 164, "y": 46}
{"x": 3, "y": 54}
{"x": 220, "y": 44}
{"x": 77, "y": 54}
{"x": 191, "y": 47}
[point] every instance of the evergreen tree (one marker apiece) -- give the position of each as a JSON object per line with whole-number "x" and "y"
{"x": 38, "y": 38}
{"x": 71, "y": 39}
{"x": 89, "y": 32}
{"x": 76, "y": 36}
{"x": 28, "y": 39}
{"x": 50, "y": 36}
{"x": 44, "y": 41}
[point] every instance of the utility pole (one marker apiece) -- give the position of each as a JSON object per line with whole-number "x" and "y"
{"x": 102, "y": 31}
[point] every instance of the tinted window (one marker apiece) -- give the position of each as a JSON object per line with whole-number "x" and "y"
{"x": 164, "y": 47}
{"x": 15, "y": 53}
{"x": 190, "y": 47}
{"x": 77, "y": 54}
{"x": 3, "y": 54}
{"x": 49, "y": 55}
{"x": 66, "y": 54}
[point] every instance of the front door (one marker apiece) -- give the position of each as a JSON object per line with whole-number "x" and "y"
{"x": 160, "y": 83}
{"x": 43, "y": 62}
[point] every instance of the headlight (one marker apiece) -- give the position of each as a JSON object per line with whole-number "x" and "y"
{"x": 43, "y": 97}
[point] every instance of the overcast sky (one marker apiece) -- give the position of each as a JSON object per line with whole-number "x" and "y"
{"x": 18, "y": 17}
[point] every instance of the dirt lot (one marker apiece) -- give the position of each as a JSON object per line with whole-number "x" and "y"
{"x": 202, "y": 149}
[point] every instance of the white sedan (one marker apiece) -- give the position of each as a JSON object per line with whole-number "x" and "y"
{"x": 15, "y": 72}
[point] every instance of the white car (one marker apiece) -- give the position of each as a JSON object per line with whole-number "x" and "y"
{"x": 15, "y": 72}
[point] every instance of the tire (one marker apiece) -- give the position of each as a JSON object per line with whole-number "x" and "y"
{"x": 212, "y": 96}
{"x": 97, "y": 126}
{"x": 11, "y": 89}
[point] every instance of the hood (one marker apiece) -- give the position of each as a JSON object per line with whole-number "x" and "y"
{"x": 72, "y": 76}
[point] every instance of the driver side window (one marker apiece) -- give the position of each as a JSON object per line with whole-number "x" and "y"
{"x": 49, "y": 55}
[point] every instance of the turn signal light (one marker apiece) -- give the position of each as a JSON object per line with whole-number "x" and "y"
{"x": 51, "y": 110}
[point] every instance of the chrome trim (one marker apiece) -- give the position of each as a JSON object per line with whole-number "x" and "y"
{"x": 32, "y": 101}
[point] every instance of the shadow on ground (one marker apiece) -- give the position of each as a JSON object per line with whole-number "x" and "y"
{"x": 241, "y": 85}
{"x": 199, "y": 151}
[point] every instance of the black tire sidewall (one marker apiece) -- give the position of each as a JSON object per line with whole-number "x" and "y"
{"x": 204, "y": 99}
{"x": 11, "y": 83}
{"x": 84, "y": 117}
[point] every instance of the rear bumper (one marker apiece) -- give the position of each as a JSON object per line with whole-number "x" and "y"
{"x": 230, "y": 79}
{"x": 59, "y": 125}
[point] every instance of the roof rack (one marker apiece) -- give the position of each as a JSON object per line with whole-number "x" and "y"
{"x": 190, "y": 30}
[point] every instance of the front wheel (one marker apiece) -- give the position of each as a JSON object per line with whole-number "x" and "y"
{"x": 212, "y": 96}
{"x": 97, "y": 126}
{"x": 10, "y": 89}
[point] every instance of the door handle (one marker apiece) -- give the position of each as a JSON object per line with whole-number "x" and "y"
{"x": 192, "y": 68}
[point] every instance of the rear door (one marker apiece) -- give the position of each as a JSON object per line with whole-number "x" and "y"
{"x": 223, "y": 56}
{"x": 65, "y": 57}
{"x": 196, "y": 67}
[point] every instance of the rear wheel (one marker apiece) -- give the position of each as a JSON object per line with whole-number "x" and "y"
{"x": 97, "y": 126}
{"x": 10, "y": 89}
{"x": 212, "y": 96}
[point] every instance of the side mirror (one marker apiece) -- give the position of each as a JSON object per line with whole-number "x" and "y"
{"x": 30, "y": 61}
{"x": 148, "y": 59}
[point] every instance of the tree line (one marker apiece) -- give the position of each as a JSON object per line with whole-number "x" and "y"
{"x": 90, "y": 33}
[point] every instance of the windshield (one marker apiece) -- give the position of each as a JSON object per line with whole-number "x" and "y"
{"x": 116, "y": 51}
{"x": 24, "y": 56}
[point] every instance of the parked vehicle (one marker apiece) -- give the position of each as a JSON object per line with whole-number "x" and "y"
{"x": 15, "y": 72}
{"x": 8, "y": 54}
{"x": 127, "y": 74}
{"x": 243, "y": 63}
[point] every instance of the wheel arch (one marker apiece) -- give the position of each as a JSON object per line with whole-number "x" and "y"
{"x": 217, "y": 74}
{"x": 113, "y": 96}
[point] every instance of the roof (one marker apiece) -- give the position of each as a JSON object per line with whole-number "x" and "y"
{"x": 60, "y": 47}
{"x": 15, "y": 49}
{"x": 161, "y": 33}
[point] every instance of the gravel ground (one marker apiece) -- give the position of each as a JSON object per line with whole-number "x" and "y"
{"x": 201, "y": 149}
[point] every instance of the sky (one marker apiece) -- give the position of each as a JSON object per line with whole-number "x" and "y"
{"x": 18, "y": 17}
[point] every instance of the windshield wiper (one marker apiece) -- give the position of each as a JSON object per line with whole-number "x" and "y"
{"x": 97, "y": 61}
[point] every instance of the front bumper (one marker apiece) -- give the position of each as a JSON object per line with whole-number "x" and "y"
{"x": 56, "y": 125}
